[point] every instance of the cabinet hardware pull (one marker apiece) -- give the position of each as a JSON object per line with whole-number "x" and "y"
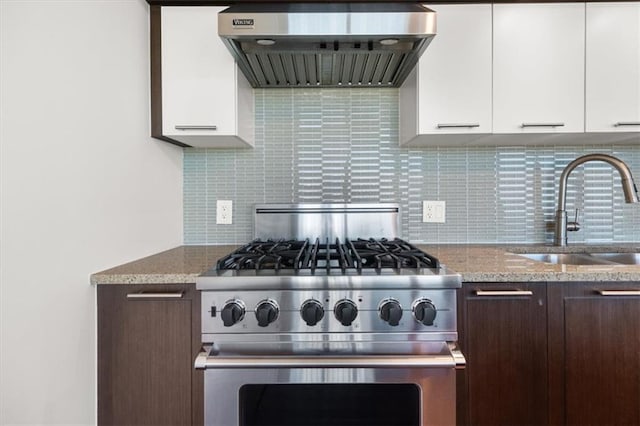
{"x": 196, "y": 127}
{"x": 542, "y": 125}
{"x": 455, "y": 125}
{"x": 619, "y": 292}
{"x": 504, "y": 293}
{"x": 158, "y": 295}
{"x": 627, "y": 123}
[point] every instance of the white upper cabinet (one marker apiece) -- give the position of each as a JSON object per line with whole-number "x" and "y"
{"x": 449, "y": 92}
{"x": 538, "y": 67}
{"x": 613, "y": 67}
{"x": 206, "y": 101}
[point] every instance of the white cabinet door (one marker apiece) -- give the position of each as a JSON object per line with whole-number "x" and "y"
{"x": 613, "y": 67}
{"x": 201, "y": 85}
{"x": 450, "y": 92}
{"x": 538, "y": 67}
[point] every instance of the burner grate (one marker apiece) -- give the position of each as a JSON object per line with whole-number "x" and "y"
{"x": 352, "y": 254}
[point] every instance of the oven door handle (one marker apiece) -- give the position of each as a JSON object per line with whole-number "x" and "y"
{"x": 454, "y": 359}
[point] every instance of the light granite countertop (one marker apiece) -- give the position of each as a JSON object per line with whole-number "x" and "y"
{"x": 179, "y": 265}
{"x": 475, "y": 262}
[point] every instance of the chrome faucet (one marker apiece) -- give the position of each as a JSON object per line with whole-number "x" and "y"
{"x": 628, "y": 186}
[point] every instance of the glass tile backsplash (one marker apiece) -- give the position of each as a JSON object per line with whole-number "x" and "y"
{"x": 341, "y": 145}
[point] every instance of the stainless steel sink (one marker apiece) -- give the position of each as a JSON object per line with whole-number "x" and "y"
{"x": 569, "y": 258}
{"x": 585, "y": 258}
{"x": 621, "y": 258}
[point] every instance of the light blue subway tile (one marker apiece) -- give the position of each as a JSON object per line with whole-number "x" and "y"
{"x": 341, "y": 145}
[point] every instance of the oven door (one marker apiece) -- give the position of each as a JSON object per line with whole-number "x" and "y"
{"x": 372, "y": 386}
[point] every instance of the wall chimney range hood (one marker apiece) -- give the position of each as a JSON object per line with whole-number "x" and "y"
{"x": 326, "y": 44}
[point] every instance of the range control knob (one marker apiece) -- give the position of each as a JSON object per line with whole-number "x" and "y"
{"x": 311, "y": 311}
{"x": 390, "y": 311}
{"x": 345, "y": 311}
{"x": 266, "y": 312}
{"x": 424, "y": 311}
{"x": 232, "y": 312}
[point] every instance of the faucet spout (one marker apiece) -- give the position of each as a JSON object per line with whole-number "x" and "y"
{"x": 628, "y": 187}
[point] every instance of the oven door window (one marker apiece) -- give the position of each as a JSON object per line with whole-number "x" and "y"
{"x": 381, "y": 404}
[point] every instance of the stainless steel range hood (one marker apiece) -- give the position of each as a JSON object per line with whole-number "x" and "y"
{"x": 327, "y": 44}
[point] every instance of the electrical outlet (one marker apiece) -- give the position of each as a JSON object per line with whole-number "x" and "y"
{"x": 433, "y": 211}
{"x": 224, "y": 212}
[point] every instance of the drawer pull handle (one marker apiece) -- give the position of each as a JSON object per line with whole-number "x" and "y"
{"x": 456, "y": 125}
{"x": 157, "y": 295}
{"x": 542, "y": 125}
{"x": 619, "y": 292}
{"x": 196, "y": 127}
{"x": 627, "y": 123}
{"x": 505, "y": 293}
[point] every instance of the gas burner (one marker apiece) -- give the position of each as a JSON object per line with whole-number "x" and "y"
{"x": 260, "y": 255}
{"x": 299, "y": 255}
{"x": 396, "y": 253}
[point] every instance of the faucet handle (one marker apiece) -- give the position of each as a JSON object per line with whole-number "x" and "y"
{"x": 575, "y": 225}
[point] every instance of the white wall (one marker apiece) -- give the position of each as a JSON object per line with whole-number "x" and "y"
{"x": 83, "y": 188}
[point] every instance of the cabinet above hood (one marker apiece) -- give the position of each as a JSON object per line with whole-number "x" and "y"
{"x": 326, "y": 44}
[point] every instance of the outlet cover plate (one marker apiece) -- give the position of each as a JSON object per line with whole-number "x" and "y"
{"x": 224, "y": 212}
{"x": 433, "y": 211}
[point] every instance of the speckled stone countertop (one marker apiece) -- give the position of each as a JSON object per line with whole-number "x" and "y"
{"x": 176, "y": 266}
{"x": 476, "y": 263}
{"x": 502, "y": 263}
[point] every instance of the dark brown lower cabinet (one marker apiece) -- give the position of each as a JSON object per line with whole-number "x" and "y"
{"x": 503, "y": 334}
{"x": 537, "y": 354}
{"x": 595, "y": 356}
{"x": 148, "y": 337}
{"x": 550, "y": 354}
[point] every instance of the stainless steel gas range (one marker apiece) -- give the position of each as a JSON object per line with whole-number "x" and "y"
{"x": 328, "y": 318}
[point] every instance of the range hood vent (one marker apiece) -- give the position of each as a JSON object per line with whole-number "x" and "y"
{"x": 326, "y": 44}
